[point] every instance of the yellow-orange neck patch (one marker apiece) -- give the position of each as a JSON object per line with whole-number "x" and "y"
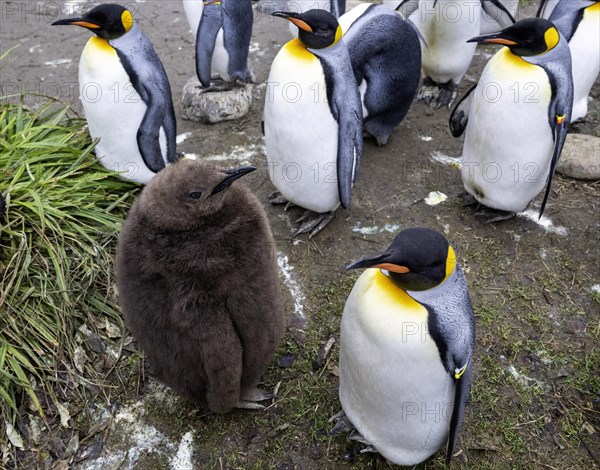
{"x": 101, "y": 44}
{"x": 390, "y": 292}
{"x": 296, "y": 49}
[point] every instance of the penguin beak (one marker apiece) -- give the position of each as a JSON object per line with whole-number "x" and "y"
{"x": 232, "y": 175}
{"x": 77, "y": 22}
{"x": 294, "y": 18}
{"x": 495, "y": 38}
{"x": 381, "y": 262}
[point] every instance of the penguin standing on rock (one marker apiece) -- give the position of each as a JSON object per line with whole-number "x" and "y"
{"x": 313, "y": 120}
{"x": 579, "y": 22}
{"x": 125, "y": 94}
{"x": 386, "y": 57}
{"x": 516, "y": 119}
{"x": 446, "y": 25}
{"x": 223, "y": 31}
{"x": 406, "y": 348}
{"x": 199, "y": 285}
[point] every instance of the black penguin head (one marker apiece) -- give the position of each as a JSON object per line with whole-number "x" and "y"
{"x": 418, "y": 259}
{"x": 528, "y": 37}
{"x": 108, "y": 21}
{"x": 317, "y": 29}
{"x": 186, "y": 193}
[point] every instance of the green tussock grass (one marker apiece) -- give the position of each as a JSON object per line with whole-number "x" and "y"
{"x": 57, "y": 240}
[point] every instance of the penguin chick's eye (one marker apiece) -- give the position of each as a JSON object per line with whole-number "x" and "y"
{"x": 195, "y": 194}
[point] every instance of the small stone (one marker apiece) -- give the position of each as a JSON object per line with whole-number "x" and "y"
{"x": 580, "y": 157}
{"x": 214, "y": 106}
{"x": 286, "y": 360}
{"x": 316, "y": 451}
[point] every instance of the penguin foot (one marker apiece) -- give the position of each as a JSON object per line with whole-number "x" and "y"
{"x": 437, "y": 95}
{"x": 218, "y": 84}
{"x": 446, "y": 96}
{"x": 468, "y": 200}
{"x": 358, "y": 437}
{"x": 342, "y": 423}
{"x": 428, "y": 91}
{"x": 256, "y": 394}
{"x": 249, "y": 405}
{"x": 313, "y": 222}
{"x": 251, "y": 397}
{"x": 488, "y": 215}
{"x": 277, "y": 199}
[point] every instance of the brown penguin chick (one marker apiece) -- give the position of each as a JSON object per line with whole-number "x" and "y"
{"x": 199, "y": 284}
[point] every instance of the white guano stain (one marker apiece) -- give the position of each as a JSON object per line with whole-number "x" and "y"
{"x": 183, "y": 459}
{"x": 183, "y": 137}
{"x": 292, "y": 284}
{"x": 390, "y": 228}
{"x": 544, "y": 222}
{"x": 57, "y": 62}
{"x": 434, "y": 198}
{"x": 446, "y": 160}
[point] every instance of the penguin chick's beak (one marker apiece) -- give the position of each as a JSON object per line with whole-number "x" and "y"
{"x": 232, "y": 175}
{"x": 76, "y": 22}
{"x": 294, "y": 18}
{"x": 379, "y": 261}
{"x": 495, "y": 38}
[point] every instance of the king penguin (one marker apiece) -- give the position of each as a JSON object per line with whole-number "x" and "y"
{"x": 516, "y": 119}
{"x": 335, "y": 7}
{"x": 125, "y": 94}
{"x": 445, "y": 26}
{"x": 385, "y": 53}
{"x": 199, "y": 285}
{"x": 223, "y": 30}
{"x": 313, "y": 120}
{"x": 579, "y": 22}
{"x": 406, "y": 348}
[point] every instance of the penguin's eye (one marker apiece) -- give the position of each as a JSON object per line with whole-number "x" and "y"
{"x": 195, "y": 194}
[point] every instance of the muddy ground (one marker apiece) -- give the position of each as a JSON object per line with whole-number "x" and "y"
{"x": 535, "y": 391}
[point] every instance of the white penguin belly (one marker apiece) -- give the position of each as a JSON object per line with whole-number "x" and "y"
{"x": 300, "y": 132}
{"x": 585, "y": 52}
{"x": 220, "y": 59}
{"x": 114, "y": 111}
{"x": 446, "y": 28}
{"x": 393, "y": 386}
{"x": 193, "y": 13}
{"x": 508, "y": 142}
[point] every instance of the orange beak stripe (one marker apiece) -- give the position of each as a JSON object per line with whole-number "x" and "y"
{"x": 394, "y": 268}
{"x": 301, "y": 24}
{"x": 86, "y": 24}
{"x": 506, "y": 42}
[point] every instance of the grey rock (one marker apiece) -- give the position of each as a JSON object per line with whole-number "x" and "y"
{"x": 580, "y": 157}
{"x": 214, "y": 106}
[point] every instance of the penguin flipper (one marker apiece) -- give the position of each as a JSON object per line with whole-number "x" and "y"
{"x": 498, "y": 12}
{"x": 237, "y": 32}
{"x": 460, "y": 115}
{"x": 461, "y": 395}
{"x": 560, "y": 134}
{"x": 349, "y": 152}
{"x": 542, "y": 9}
{"x": 407, "y": 7}
{"x": 211, "y": 22}
{"x": 149, "y": 131}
